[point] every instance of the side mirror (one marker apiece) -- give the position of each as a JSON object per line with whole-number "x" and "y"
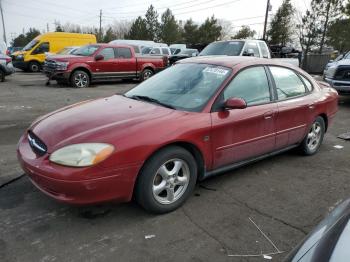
{"x": 99, "y": 57}
{"x": 248, "y": 52}
{"x": 235, "y": 103}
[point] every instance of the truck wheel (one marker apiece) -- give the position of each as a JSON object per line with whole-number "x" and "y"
{"x": 34, "y": 67}
{"x": 80, "y": 79}
{"x": 2, "y": 76}
{"x": 167, "y": 180}
{"x": 147, "y": 73}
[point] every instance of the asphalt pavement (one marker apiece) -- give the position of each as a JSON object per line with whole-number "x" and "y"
{"x": 283, "y": 197}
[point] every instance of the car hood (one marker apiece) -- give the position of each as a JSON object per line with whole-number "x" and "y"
{"x": 101, "y": 120}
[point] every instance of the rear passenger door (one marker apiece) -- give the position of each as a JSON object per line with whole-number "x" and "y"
{"x": 294, "y": 106}
{"x": 126, "y": 63}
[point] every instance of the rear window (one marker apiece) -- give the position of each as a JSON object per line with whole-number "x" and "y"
{"x": 231, "y": 48}
{"x": 123, "y": 52}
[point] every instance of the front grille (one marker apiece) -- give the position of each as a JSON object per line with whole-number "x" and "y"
{"x": 342, "y": 73}
{"x": 50, "y": 65}
{"x": 36, "y": 144}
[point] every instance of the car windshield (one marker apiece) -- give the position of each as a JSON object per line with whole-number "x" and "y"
{"x": 187, "y": 52}
{"x": 231, "y": 48}
{"x": 87, "y": 50}
{"x": 347, "y": 56}
{"x": 30, "y": 45}
{"x": 190, "y": 88}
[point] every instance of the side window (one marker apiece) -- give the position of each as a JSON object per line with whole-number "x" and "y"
{"x": 251, "y": 85}
{"x": 136, "y": 49}
{"x": 42, "y": 48}
{"x": 165, "y": 51}
{"x": 123, "y": 52}
{"x": 307, "y": 83}
{"x": 288, "y": 84}
{"x": 254, "y": 47}
{"x": 264, "y": 50}
{"x": 155, "y": 51}
{"x": 108, "y": 53}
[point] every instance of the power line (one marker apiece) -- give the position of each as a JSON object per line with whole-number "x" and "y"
{"x": 210, "y": 7}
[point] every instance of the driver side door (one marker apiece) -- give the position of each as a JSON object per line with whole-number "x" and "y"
{"x": 105, "y": 68}
{"x": 241, "y": 134}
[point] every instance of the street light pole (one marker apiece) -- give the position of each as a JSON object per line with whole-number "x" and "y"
{"x": 266, "y": 16}
{"x": 3, "y": 22}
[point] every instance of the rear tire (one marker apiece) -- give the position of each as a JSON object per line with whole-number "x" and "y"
{"x": 146, "y": 73}
{"x": 80, "y": 79}
{"x": 34, "y": 67}
{"x": 166, "y": 180}
{"x": 314, "y": 138}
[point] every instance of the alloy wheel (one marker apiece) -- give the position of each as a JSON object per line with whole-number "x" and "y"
{"x": 314, "y": 136}
{"x": 170, "y": 181}
{"x": 81, "y": 80}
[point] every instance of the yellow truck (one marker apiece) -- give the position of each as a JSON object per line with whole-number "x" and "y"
{"x": 32, "y": 56}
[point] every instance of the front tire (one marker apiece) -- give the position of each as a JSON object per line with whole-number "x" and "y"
{"x": 80, "y": 79}
{"x": 166, "y": 180}
{"x": 2, "y": 76}
{"x": 314, "y": 138}
{"x": 34, "y": 67}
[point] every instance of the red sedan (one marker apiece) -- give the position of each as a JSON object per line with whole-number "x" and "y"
{"x": 198, "y": 118}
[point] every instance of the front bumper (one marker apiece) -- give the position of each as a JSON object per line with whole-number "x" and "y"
{"x": 76, "y": 185}
{"x": 342, "y": 87}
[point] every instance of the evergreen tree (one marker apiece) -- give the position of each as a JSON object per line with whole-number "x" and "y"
{"x": 152, "y": 24}
{"x": 281, "y": 27}
{"x": 24, "y": 39}
{"x": 244, "y": 33}
{"x": 190, "y": 32}
{"x": 327, "y": 11}
{"x": 138, "y": 30}
{"x": 109, "y": 35}
{"x": 209, "y": 31}
{"x": 338, "y": 35}
{"x": 58, "y": 28}
{"x": 169, "y": 28}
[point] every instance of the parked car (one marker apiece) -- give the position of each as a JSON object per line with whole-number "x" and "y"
{"x": 32, "y": 56}
{"x": 138, "y": 45}
{"x": 337, "y": 73}
{"x": 177, "y": 48}
{"x": 158, "y": 139}
{"x": 329, "y": 241}
{"x": 185, "y": 53}
{"x": 6, "y": 67}
{"x": 160, "y": 51}
{"x": 98, "y": 62}
{"x": 256, "y": 48}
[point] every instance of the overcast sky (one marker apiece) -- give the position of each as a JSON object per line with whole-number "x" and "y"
{"x": 21, "y": 14}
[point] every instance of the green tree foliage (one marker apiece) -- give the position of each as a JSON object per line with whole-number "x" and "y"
{"x": 209, "y": 31}
{"x": 152, "y": 24}
{"x": 23, "y": 39}
{"x": 138, "y": 30}
{"x": 281, "y": 27}
{"x": 109, "y": 35}
{"x": 244, "y": 33}
{"x": 169, "y": 28}
{"x": 190, "y": 32}
{"x": 338, "y": 35}
{"x": 327, "y": 11}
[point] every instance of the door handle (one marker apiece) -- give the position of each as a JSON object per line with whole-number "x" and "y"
{"x": 268, "y": 115}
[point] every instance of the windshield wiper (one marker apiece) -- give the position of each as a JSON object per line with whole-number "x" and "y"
{"x": 152, "y": 100}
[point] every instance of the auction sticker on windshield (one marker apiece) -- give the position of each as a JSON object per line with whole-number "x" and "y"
{"x": 216, "y": 70}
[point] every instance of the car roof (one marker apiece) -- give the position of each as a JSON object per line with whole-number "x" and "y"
{"x": 234, "y": 61}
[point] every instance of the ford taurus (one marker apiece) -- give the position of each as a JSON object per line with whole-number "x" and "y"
{"x": 198, "y": 118}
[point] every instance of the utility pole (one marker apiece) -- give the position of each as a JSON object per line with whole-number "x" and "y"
{"x": 3, "y": 22}
{"x": 47, "y": 27}
{"x": 266, "y": 16}
{"x": 100, "y": 31}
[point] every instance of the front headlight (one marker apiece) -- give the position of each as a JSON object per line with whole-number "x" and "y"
{"x": 62, "y": 65}
{"x": 82, "y": 155}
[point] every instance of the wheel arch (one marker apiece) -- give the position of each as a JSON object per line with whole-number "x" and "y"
{"x": 80, "y": 68}
{"x": 325, "y": 119}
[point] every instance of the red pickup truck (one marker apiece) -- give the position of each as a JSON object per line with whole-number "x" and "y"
{"x": 101, "y": 62}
